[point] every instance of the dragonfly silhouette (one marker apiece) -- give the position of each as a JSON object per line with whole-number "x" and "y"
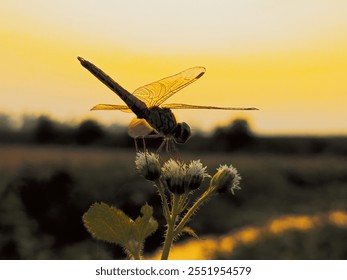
{"x": 147, "y": 103}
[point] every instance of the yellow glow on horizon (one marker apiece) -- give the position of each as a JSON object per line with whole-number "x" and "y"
{"x": 299, "y": 86}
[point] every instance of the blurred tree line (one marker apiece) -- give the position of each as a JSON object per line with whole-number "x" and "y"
{"x": 43, "y": 130}
{"x": 237, "y": 136}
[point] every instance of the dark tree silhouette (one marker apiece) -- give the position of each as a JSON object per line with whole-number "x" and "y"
{"x": 233, "y": 137}
{"x": 89, "y": 132}
{"x": 45, "y": 131}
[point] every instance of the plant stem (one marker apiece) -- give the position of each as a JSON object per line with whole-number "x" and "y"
{"x": 133, "y": 255}
{"x": 170, "y": 228}
{"x": 137, "y": 256}
{"x": 191, "y": 211}
{"x": 166, "y": 209}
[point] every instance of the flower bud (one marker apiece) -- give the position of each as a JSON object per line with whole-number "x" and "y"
{"x": 173, "y": 174}
{"x": 195, "y": 174}
{"x": 226, "y": 177}
{"x": 147, "y": 164}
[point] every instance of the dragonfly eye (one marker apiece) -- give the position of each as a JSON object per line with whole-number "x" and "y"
{"x": 181, "y": 133}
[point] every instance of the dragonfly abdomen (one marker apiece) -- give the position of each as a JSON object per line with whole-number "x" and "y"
{"x": 135, "y": 104}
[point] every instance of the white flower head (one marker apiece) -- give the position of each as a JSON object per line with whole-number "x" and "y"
{"x": 226, "y": 177}
{"x": 195, "y": 174}
{"x": 147, "y": 164}
{"x": 173, "y": 173}
{"x": 181, "y": 177}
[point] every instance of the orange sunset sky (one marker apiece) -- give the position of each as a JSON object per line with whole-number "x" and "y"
{"x": 288, "y": 58}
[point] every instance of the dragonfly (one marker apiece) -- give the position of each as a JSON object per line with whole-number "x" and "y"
{"x": 152, "y": 116}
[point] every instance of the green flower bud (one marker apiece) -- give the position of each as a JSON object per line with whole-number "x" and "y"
{"x": 147, "y": 164}
{"x": 226, "y": 177}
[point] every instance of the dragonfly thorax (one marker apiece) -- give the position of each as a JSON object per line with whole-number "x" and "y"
{"x": 164, "y": 122}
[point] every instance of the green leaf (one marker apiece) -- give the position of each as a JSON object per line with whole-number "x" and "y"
{"x": 146, "y": 225}
{"x": 108, "y": 223}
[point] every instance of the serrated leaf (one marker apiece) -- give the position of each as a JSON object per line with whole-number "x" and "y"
{"x": 190, "y": 231}
{"x": 146, "y": 225}
{"x": 108, "y": 223}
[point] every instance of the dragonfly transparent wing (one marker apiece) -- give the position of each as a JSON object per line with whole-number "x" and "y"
{"x": 187, "y": 106}
{"x": 139, "y": 127}
{"x": 122, "y": 108}
{"x": 157, "y": 92}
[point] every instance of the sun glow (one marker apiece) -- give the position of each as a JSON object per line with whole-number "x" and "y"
{"x": 287, "y": 60}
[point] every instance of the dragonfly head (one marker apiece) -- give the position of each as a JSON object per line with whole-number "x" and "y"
{"x": 181, "y": 133}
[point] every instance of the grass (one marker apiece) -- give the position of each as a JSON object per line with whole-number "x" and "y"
{"x": 44, "y": 191}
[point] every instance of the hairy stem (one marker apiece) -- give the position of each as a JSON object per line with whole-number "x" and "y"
{"x": 170, "y": 228}
{"x": 206, "y": 195}
{"x": 161, "y": 191}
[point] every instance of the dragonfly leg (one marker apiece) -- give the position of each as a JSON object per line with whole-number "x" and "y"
{"x": 144, "y": 144}
{"x": 136, "y": 139}
{"x": 168, "y": 143}
{"x": 170, "y": 147}
{"x": 164, "y": 143}
{"x": 136, "y": 147}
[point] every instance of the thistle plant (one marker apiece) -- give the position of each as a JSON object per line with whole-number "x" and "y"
{"x": 176, "y": 182}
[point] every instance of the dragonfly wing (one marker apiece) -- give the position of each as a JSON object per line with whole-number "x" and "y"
{"x": 188, "y": 106}
{"x": 139, "y": 127}
{"x": 122, "y": 108}
{"x": 157, "y": 92}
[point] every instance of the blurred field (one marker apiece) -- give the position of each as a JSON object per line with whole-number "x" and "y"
{"x": 44, "y": 191}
